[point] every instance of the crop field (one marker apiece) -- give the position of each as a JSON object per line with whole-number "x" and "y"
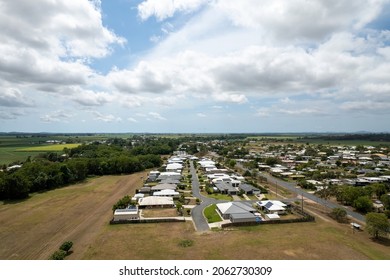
{"x": 15, "y": 149}
{"x": 48, "y": 148}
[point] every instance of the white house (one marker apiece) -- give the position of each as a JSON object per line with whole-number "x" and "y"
{"x": 127, "y": 214}
{"x": 156, "y": 201}
{"x": 167, "y": 192}
{"x": 272, "y": 206}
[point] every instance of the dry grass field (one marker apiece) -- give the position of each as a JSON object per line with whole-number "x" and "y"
{"x": 35, "y": 228}
{"x": 319, "y": 240}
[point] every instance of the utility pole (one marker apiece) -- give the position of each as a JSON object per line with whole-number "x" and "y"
{"x": 276, "y": 189}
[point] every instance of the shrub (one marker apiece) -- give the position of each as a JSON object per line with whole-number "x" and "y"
{"x": 186, "y": 243}
{"x": 58, "y": 255}
{"x": 339, "y": 214}
{"x": 66, "y": 246}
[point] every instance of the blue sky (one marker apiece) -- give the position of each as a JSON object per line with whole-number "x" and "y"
{"x": 195, "y": 66}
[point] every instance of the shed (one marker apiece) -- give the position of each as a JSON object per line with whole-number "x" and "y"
{"x": 272, "y": 216}
{"x": 243, "y": 217}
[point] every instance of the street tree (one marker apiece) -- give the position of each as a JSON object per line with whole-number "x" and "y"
{"x": 339, "y": 214}
{"x": 363, "y": 204}
{"x": 377, "y": 224}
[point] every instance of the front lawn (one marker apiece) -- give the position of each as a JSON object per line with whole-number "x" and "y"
{"x": 211, "y": 214}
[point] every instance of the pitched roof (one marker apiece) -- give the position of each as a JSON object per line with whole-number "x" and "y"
{"x": 163, "y": 187}
{"x": 234, "y": 208}
{"x": 155, "y": 200}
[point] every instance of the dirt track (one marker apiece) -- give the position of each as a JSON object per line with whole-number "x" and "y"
{"x": 35, "y": 228}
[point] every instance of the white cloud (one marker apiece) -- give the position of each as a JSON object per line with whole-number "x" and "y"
{"x": 366, "y": 106}
{"x": 11, "y": 115}
{"x": 105, "y": 118}
{"x": 315, "y": 19}
{"x": 91, "y": 98}
{"x": 57, "y": 116}
{"x": 163, "y": 9}
{"x": 132, "y": 120}
{"x": 12, "y": 97}
{"x": 263, "y": 112}
{"x": 304, "y": 111}
{"x": 47, "y": 46}
{"x": 201, "y": 115}
{"x": 157, "y": 116}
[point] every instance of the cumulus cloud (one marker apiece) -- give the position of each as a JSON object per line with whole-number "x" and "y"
{"x": 156, "y": 116}
{"x": 132, "y": 120}
{"x": 163, "y": 9}
{"x": 12, "y": 97}
{"x": 89, "y": 97}
{"x": 47, "y": 46}
{"x": 301, "y": 19}
{"x": 57, "y": 116}
{"x": 201, "y": 115}
{"x": 105, "y": 118}
{"x": 11, "y": 115}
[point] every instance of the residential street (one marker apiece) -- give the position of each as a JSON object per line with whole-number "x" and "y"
{"x": 293, "y": 188}
{"x": 197, "y": 212}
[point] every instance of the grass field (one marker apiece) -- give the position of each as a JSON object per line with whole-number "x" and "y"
{"x": 34, "y": 228}
{"x": 285, "y": 242}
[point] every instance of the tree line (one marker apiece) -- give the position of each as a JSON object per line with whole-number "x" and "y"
{"x": 50, "y": 171}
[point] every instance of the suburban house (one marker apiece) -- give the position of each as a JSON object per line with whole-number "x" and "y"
{"x": 137, "y": 196}
{"x": 248, "y": 189}
{"x": 156, "y": 202}
{"x": 167, "y": 192}
{"x": 174, "y": 167}
{"x": 238, "y": 212}
{"x": 227, "y": 209}
{"x": 130, "y": 213}
{"x": 145, "y": 190}
{"x": 225, "y": 188}
{"x": 169, "y": 175}
{"x": 272, "y": 206}
{"x": 161, "y": 187}
{"x": 378, "y": 206}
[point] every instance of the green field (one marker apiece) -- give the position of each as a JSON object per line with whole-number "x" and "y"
{"x": 16, "y": 149}
{"x": 48, "y": 148}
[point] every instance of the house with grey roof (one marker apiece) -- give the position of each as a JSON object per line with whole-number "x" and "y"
{"x": 225, "y": 188}
{"x": 248, "y": 189}
{"x": 161, "y": 187}
{"x": 227, "y": 209}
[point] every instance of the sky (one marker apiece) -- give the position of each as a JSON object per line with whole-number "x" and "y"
{"x": 195, "y": 66}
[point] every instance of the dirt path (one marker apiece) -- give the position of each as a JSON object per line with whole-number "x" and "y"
{"x": 35, "y": 228}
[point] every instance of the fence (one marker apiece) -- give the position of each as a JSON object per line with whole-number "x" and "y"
{"x": 306, "y": 217}
{"x": 149, "y": 220}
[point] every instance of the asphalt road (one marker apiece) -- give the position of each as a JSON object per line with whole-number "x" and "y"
{"x": 197, "y": 212}
{"x": 293, "y": 188}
